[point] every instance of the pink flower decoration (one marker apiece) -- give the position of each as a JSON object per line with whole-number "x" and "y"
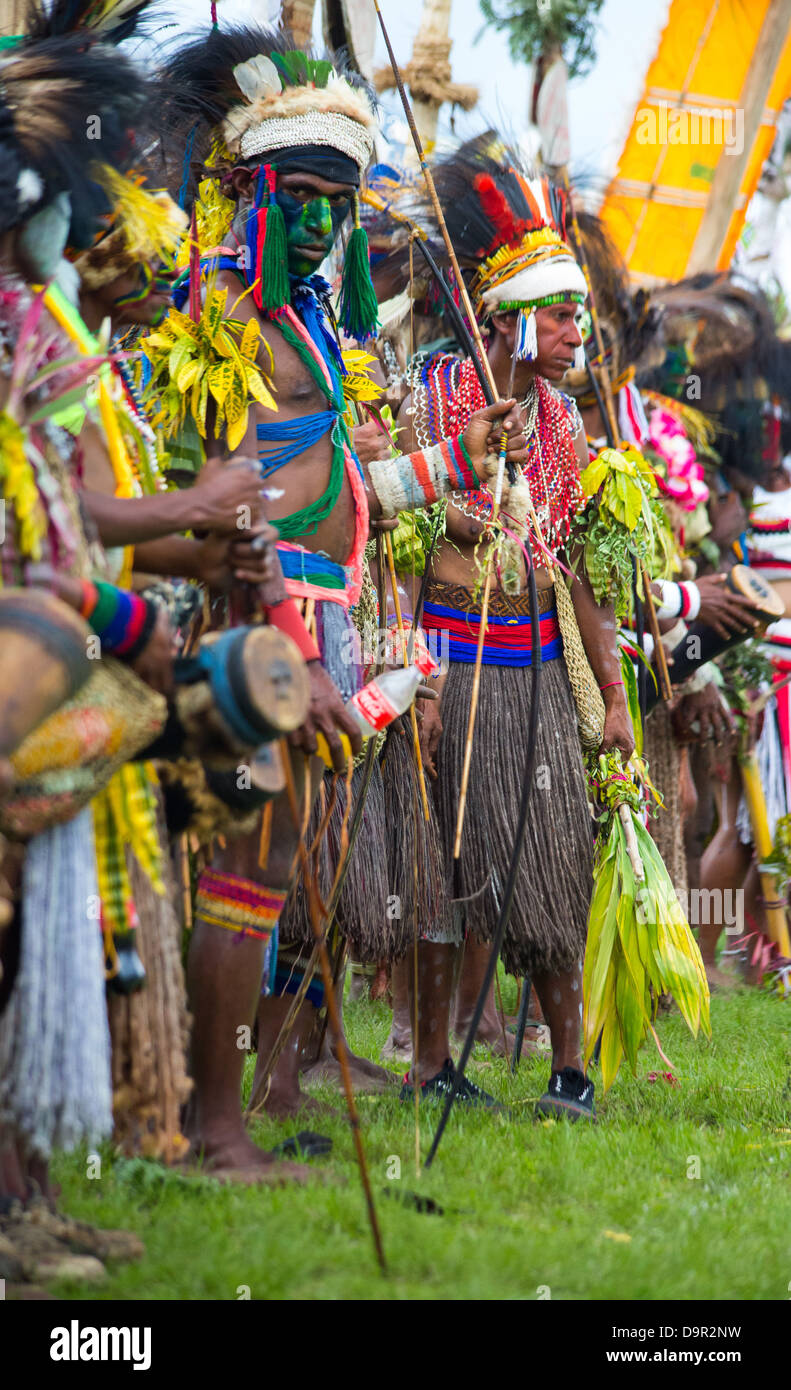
{"x": 684, "y": 480}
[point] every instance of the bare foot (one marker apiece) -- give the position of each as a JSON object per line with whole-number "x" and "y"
{"x": 719, "y": 979}
{"x": 397, "y": 1049}
{"x": 279, "y": 1173}
{"x": 536, "y": 1041}
{"x": 233, "y": 1157}
{"x": 366, "y": 1076}
{"x": 284, "y": 1106}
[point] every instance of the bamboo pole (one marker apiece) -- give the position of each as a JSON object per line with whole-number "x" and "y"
{"x": 435, "y": 203}
{"x": 482, "y": 630}
{"x": 775, "y": 908}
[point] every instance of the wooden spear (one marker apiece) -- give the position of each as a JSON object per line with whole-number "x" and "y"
{"x": 484, "y": 623}
{"x": 612, "y": 430}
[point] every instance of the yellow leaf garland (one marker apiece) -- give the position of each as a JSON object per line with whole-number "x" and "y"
{"x": 18, "y": 487}
{"x": 216, "y": 356}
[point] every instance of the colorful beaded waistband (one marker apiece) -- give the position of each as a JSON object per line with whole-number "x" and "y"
{"x": 309, "y": 575}
{"x": 508, "y": 640}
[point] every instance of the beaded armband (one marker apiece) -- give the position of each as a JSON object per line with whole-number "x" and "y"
{"x": 420, "y": 479}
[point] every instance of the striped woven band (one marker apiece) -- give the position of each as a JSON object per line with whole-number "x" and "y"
{"x": 238, "y": 905}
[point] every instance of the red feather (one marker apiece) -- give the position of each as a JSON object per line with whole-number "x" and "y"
{"x": 497, "y": 210}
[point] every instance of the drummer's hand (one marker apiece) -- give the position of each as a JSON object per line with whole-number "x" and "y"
{"x": 154, "y": 665}
{"x": 701, "y": 717}
{"x": 727, "y": 613}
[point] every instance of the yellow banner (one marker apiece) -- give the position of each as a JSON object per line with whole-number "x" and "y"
{"x": 700, "y": 136}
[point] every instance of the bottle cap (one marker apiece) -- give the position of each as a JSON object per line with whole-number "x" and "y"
{"x": 424, "y": 661}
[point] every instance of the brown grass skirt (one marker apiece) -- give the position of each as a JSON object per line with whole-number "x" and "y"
{"x": 416, "y": 868}
{"x": 370, "y": 933}
{"x": 547, "y": 928}
{"x": 150, "y": 1030}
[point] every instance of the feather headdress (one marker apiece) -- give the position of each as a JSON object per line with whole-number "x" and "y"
{"x": 59, "y": 97}
{"x": 111, "y": 21}
{"x": 236, "y": 81}
{"x": 143, "y": 226}
{"x": 509, "y": 229}
{"x": 263, "y": 99}
{"x": 720, "y": 336}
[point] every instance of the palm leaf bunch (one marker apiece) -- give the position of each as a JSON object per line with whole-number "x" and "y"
{"x": 622, "y": 521}
{"x": 639, "y": 942}
{"x": 212, "y": 360}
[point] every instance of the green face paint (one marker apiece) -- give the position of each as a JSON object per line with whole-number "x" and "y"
{"x": 312, "y": 227}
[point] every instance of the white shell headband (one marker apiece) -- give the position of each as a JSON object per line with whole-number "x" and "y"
{"x": 327, "y": 111}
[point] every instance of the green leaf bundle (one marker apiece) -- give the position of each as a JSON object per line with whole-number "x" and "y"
{"x": 639, "y": 947}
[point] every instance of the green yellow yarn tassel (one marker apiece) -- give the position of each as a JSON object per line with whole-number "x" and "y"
{"x": 358, "y": 311}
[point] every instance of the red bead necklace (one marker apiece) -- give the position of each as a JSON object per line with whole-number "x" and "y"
{"x": 446, "y": 392}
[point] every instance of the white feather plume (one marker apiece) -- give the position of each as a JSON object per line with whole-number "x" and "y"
{"x": 29, "y": 187}
{"x": 258, "y": 78}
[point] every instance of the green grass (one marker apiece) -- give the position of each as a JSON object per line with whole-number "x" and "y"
{"x": 525, "y": 1204}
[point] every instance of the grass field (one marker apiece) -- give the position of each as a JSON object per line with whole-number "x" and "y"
{"x": 594, "y": 1212}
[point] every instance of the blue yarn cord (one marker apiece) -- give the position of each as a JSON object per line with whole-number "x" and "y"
{"x": 297, "y": 435}
{"x": 185, "y": 168}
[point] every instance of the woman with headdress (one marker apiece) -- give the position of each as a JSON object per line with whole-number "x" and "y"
{"x": 509, "y": 234}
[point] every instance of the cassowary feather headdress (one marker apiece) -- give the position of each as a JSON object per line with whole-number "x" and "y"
{"x": 509, "y": 229}
{"x": 67, "y": 98}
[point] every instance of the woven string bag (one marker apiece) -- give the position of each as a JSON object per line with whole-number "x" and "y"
{"x": 74, "y": 753}
{"x": 584, "y": 687}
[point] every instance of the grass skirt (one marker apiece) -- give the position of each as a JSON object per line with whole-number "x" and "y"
{"x": 547, "y": 928}
{"x": 150, "y": 1029}
{"x": 416, "y": 868}
{"x": 371, "y": 935}
{"x": 54, "y": 1038}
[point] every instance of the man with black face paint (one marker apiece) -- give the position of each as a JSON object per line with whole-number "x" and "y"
{"x": 292, "y": 139}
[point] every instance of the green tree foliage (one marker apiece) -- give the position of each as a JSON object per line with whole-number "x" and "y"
{"x": 535, "y": 25}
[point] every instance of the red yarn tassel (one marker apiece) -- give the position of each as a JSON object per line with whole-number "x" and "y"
{"x": 260, "y": 241}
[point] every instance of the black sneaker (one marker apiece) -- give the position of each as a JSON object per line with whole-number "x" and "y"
{"x": 441, "y": 1085}
{"x": 569, "y": 1095}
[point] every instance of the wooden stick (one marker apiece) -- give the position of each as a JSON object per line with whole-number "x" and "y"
{"x": 402, "y": 635}
{"x": 484, "y": 624}
{"x": 186, "y": 886}
{"x": 757, "y": 705}
{"x": 435, "y": 203}
{"x": 665, "y": 687}
{"x": 334, "y": 1016}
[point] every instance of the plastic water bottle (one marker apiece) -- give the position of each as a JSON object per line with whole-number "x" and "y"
{"x": 383, "y": 700}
